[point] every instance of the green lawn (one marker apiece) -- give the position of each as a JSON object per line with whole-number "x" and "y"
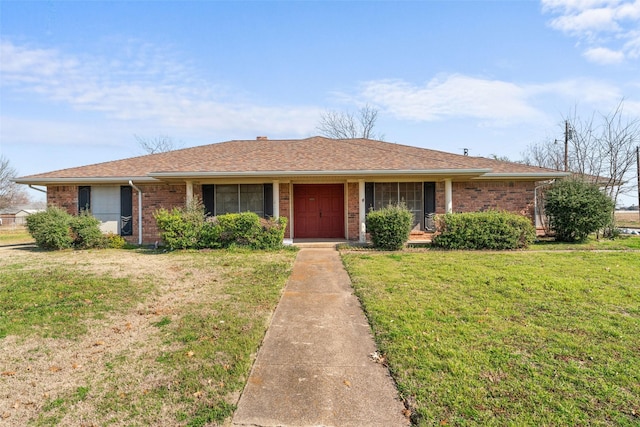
{"x": 617, "y": 244}
{"x": 510, "y": 338}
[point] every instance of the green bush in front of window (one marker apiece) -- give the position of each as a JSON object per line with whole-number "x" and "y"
{"x": 86, "y": 233}
{"x": 56, "y": 229}
{"x": 390, "y": 227}
{"x": 483, "y": 230}
{"x": 248, "y": 229}
{"x": 189, "y": 228}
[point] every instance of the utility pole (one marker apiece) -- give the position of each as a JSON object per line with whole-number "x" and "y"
{"x": 638, "y": 176}
{"x": 566, "y": 145}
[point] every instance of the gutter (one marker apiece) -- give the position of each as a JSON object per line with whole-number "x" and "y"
{"x": 139, "y": 212}
{"x": 80, "y": 180}
{"x": 527, "y": 175}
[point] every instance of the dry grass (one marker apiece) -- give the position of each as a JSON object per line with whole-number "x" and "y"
{"x": 128, "y": 368}
{"x": 627, "y": 219}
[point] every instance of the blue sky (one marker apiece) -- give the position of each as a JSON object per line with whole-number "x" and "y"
{"x": 78, "y": 79}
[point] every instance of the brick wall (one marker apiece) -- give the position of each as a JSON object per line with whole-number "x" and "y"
{"x": 285, "y": 207}
{"x": 64, "y": 197}
{"x": 154, "y": 197}
{"x": 474, "y": 196}
{"x": 353, "y": 211}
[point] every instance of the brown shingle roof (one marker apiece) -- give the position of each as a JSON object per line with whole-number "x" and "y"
{"x": 316, "y": 154}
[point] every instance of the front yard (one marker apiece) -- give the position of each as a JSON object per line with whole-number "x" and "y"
{"x": 131, "y": 337}
{"x": 510, "y": 338}
{"x": 142, "y": 337}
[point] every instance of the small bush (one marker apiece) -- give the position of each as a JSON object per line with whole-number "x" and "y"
{"x": 189, "y": 228}
{"x": 114, "y": 241}
{"x": 181, "y": 228}
{"x": 576, "y": 209}
{"x": 56, "y": 229}
{"x": 484, "y": 230}
{"x": 248, "y": 229}
{"x": 86, "y": 233}
{"x": 272, "y": 233}
{"x": 239, "y": 228}
{"x": 390, "y": 227}
{"x": 51, "y": 229}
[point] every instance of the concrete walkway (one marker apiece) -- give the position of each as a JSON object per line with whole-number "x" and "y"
{"x": 314, "y": 367}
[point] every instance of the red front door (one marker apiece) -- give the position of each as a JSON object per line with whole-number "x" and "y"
{"x": 318, "y": 210}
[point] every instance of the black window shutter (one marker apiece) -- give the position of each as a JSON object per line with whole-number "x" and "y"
{"x": 368, "y": 196}
{"x": 84, "y": 198}
{"x": 429, "y": 206}
{"x": 268, "y": 200}
{"x": 209, "y": 198}
{"x": 429, "y": 197}
{"x": 126, "y": 211}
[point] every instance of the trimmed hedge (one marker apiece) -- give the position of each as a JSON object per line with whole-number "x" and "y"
{"x": 189, "y": 228}
{"x": 483, "y": 230}
{"x": 389, "y": 227}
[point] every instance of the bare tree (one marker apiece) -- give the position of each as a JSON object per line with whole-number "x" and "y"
{"x": 10, "y": 193}
{"x": 346, "y": 125}
{"x": 600, "y": 149}
{"x": 158, "y": 144}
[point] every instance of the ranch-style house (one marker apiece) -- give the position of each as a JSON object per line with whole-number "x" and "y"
{"x": 324, "y": 187}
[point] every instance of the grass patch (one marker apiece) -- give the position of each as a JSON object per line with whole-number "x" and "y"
{"x": 14, "y": 236}
{"x": 620, "y": 243}
{"x": 55, "y": 301}
{"x": 187, "y": 344}
{"x": 521, "y": 338}
{"x": 192, "y": 368}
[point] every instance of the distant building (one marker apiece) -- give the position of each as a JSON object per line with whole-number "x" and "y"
{"x": 16, "y": 216}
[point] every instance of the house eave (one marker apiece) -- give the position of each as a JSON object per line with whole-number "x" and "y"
{"x": 523, "y": 175}
{"x": 84, "y": 180}
{"x": 318, "y": 173}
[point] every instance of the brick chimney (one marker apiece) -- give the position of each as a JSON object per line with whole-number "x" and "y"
{"x": 261, "y": 138}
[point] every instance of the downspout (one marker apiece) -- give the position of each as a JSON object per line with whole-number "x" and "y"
{"x": 37, "y": 189}
{"x": 139, "y": 212}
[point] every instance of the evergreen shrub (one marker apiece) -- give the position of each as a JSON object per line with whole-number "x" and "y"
{"x": 483, "y": 230}
{"x": 576, "y": 209}
{"x": 389, "y": 227}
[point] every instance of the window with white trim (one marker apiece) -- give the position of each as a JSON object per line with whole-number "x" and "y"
{"x": 409, "y": 193}
{"x": 236, "y": 198}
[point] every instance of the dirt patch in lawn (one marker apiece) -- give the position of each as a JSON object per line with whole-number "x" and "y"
{"x": 118, "y": 354}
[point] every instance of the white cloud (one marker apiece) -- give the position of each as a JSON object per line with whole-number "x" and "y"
{"x": 493, "y": 102}
{"x": 603, "y": 55}
{"x": 144, "y": 86}
{"x": 451, "y": 96}
{"x": 609, "y": 28}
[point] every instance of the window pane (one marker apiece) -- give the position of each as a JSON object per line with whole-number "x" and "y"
{"x": 252, "y": 198}
{"x": 411, "y": 194}
{"x": 226, "y": 199}
{"x": 385, "y": 193}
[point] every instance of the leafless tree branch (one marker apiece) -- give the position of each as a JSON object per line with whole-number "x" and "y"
{"x": 158, "y": 144}
{"x": 346, "y": 125}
